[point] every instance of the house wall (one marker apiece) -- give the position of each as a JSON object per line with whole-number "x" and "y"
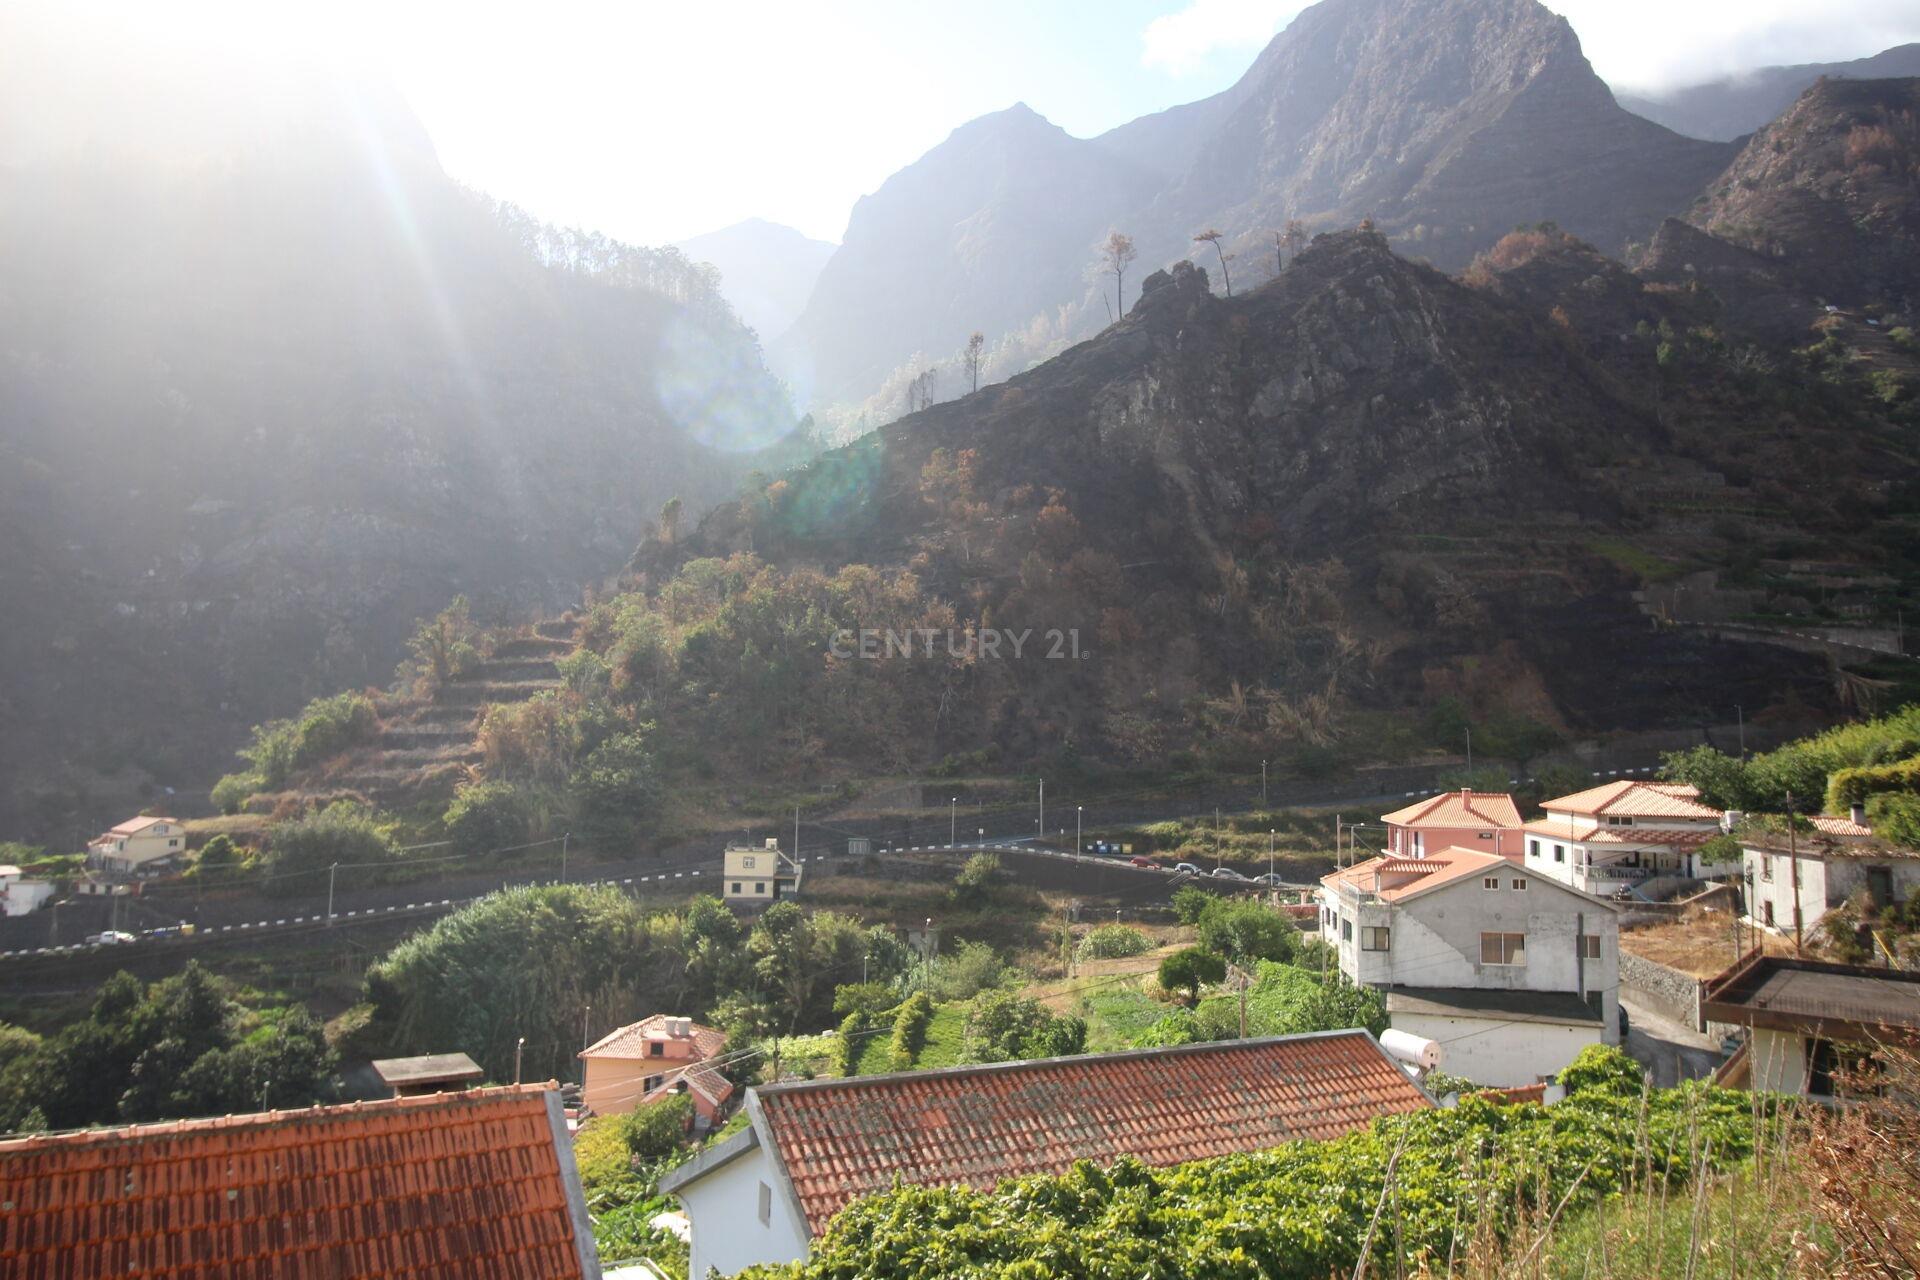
{"x": 162, "y": 840}
{"x": 1769, "y": 878}
{"x": 1779, "y": 1061}
{"x": 1506, "y": 841}
{"x": 1490, "y": 1051}
{"x": 613, "y": 1086}
{"x": 18, "y": 897}
{"x": 724, "y": 1208}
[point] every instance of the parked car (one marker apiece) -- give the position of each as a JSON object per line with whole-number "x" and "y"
{"x": 1187, "y": 868}
{"x": 1148, "y": 863}
{"x": 111, "y": 938}
{"x": 1228, "y": 873}
{"x": 1272, "y": 878}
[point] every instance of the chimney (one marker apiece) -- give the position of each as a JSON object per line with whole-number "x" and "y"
{"x": 773, "y": 842}
{"x": 1859, "y": 815}
{"x": 1731, "y": 819}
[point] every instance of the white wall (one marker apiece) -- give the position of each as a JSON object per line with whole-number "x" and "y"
{"x": 1779, "y": 1061}
{"x": 724, "y": 1208}
{"x": 1778, "y": 891}
{"x": 1491, "y": 1051}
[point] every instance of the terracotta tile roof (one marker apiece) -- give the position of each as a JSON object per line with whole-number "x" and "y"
{"x": 631, "y": 1040}
{"x": 842, "y": 1139}
{"x": 1459, "y": 809}
{"x": 1431, "y": 872}
{"x": 450, "y": 1185}
{"x": 1840, "y": 827}
{"x": 1636, "y": 798}
{"x": 1517, "y": 1093}
{"x": 133, "y": 826}
{"x": 1637, "y": 837}
{"x": 1560, "y": 829}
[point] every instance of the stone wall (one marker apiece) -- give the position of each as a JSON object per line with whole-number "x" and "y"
{"x": 1667, "y": 990}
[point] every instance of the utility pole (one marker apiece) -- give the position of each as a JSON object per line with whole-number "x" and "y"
{"x": 1793, "y": 857}
{"x": 585, "y": 1044}
{"x": 1216, "y": 837}
{"x": 565, "y": 838}
{"x": 330, "y": 874}
{"x": 953, "y": 823}
{"x": 1043, "y": 809}
{"x": 1336, "y": 842}
{"x": 517, "y": 1048}
{"x": 1469, "y": 755}
{"x": 796, "y": 835}
{"x": 1740, "y": 717}
{"x": 1077, "y": 811}
{"x": 1269, "y": 857}
{"x": 1243, "y": 1002}
{"x": 1263, "y": 784}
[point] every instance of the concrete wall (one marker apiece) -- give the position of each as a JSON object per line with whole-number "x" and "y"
{"x": 724, "y": 1208}
{"x": 1770, "y": 885}
{"x": 1662, "y": 989}
{"x": 1779, "y": 1060}
{"x": 1491, "y": 1051}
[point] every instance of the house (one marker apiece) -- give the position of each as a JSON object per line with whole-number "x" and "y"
{"x": 137, "y": 843}
{"x": 453, "y": 1186}
{"x": 430, "y": 1073}
{"x": 812, "y": 1147}
{"x": 1807, "y": 1020}
{"x": 755, "y": 875}
{"x": 1511, "y": 972}
{"x": 1485, "y": 820}
{"x": 652, "y": 1059}
{"x": 19, "y": 896}
{"x": 1615, "y": 836}
{"x": 1792, "y": 881}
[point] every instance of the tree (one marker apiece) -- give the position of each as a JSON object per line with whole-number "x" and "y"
{"x": 975, "y": 882}
{"x": 658, "y": 1129}
{"x": 1212, "y": 237}
{"x": 975, "y": 356}
{"x": 1191, "y": 969}
{"x": 219, "y": 854}
{"x": 670, "y": 521}
{"x": 1117, "y": 253}
{"x": 1294, "y": 238}
{"x": 1190, "y": 902}
{"x": 486, "y": 816}
{"x": 1244, "y": 930}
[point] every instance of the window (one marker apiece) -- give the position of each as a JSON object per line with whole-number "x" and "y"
{"x": 1418, "y": 843}
{"x": 746, "y": 863}
{"x": 766, "y": 1204}
{"x": 1346, "y": 929}
{"x": 651, "y": 1083}
{"x": 173, "y": 844}
{"x": 1533, "y": 848}
{"x": 1766, "y": 867}
{"x": 1490, "y": 882}
{"x": 656, "y": 1050}
{"x": 1559, "y": 853}
{"x": 1486, "y": 835}
{"x": 1766, "y": 913}
{"x": 1590, "y": 946}
{"x": 736, "y": 886}
{"x": 1613, "y": 821}
{"x": 1520, "y": 886}
{"x": 1503, "y": 948}
{"x": 760, "y": 886}
{"x": 1376, "y": 939}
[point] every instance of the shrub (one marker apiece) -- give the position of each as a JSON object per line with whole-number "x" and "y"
{"x": 1190, "y": 902}
{"x": 325, "y": 728}
{"x": 219, "y": 854}
{"x": 231, "y": 793}
{"x": 971, "y": 968}
{"x": 1191, "y": 969}
{"x": 343, "y": 832}
{"x": 849, "y": 1042}
{"x": 446, "y": 646}
{"x": 975, "y": 882}
{"x": 910, "y": 1030}
{"x": 1002, "y": 1026}
{"x": 870, "y": 998}
{"x": 1600, "y": 1069}
{"x": 1113, "y": 942}
{"x": 485, "y": 816}
{"x": 657, "y": 1129}
{"x": 1244, "y": 930}
{"x": 616, "y": 786}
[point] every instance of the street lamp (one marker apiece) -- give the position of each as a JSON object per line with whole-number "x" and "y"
{"x": 1269, "y": 857}
{"x": 953, "y": 817}
{"x": 516, "y": 1058}
{"x": 1263, "y": 784}
{"x": 1077, "y": 810}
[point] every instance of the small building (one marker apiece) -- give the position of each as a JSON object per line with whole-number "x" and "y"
{"x": 654, "y": 1059}
{"x": 1615, "y": 836}
{"x": 1488, "y": 821}
{"x": 455, "y": 1186}
{"x": 1807, "y": 1021}
{"x": 812, "y": 1147}
{"x": 755, "y": 875}
{"x": 431, "y": 1073}
{"x": 18, "y": 896}
{"x": 137, "y": 843}
{"x": 1514, "y": 973}
{"x": 1791, "y": 882}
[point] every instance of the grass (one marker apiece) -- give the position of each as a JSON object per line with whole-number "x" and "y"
{"x": 1702, "y": 943}
{"x": 945, "y": 1045}
{"x": 1644, "y": 564}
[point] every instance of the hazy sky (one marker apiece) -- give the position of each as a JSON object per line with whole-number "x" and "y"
{"x": 654, "y": 121}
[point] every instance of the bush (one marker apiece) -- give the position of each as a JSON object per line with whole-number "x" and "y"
{"x": 910, "y": 1030}
{"x": 975, "y": 882}
{"x": 217, "y": 856}
{"x": 231, "y": 793}
{"x": 617, "y": 787}
{"x": 1190, "y": 902}
{"x": 344, "y": 833}
{"x": 657, "y": 1130}
{"x": 1113, "y": 942}
{"x": 1191, "y": 969}
{"x": 1003, "y": 1026}
{"x": 972, "y": 967}
{"x": 849, "y": 1042}
{"x": 870, "y": 998}
{"x": 1599, "y": 1069}
{"x": 486, "y": 816}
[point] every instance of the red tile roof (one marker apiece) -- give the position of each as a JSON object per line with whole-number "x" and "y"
{"x": 451, "y": 1185}
{"x": 1459, "y": 809}
{"x": 1635, "y": 798}
{"x": 842, "y": 1139}
{"x": 631, "y": 1040}
{"x": 1431, "y": 872}
{"x": 1840, "y": 826}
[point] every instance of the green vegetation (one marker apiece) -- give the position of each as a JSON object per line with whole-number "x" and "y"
{"x": 1244, "y": 930}
{"x": 1408, "y": 1193}
{"x": 1281, "y": 1000}
{"x": 181, "y": 1047}
{"x": 489, "y": 815}
{"x": 1003, "y": 1026}
{"x": 343, "y": 833}
{"x": 623, "y": 1196}
{"x": 1840, "y": 766}
{"x": 1190, "y": 969}
{"x": 323, "y": 730}
{"x": 910, "y": 1030}
{"x": 1113, "y": 942}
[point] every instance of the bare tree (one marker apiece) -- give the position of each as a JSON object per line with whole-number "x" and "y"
{"x": 1212, "y": 237}
{"x": 975, "y": 355}
{"x": 1294, "y": 238}
{"x": 920, "y": 389}
{"x": 1117, "y": 253}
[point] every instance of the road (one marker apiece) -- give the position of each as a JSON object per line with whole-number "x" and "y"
{"x": 1671, "y": 1051}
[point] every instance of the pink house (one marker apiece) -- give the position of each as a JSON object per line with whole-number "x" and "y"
{"x": 1484, "y": 821}
{"x": 652, "y": 1059}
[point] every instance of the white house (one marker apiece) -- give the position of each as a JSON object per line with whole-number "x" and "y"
{"x": 755, "y": 875}
{"x": 813, "y": 1147}
{"x": 1610, "y": 837}
{"x": 1807, "y": 1021}
{"x": 19, "y": 896}
{"x": 1821, "y": 869}
{"x": 136, "y": 843}
{"x": 1512, "y": 973}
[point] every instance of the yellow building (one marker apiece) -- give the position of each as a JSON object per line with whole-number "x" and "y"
{"x": 754, "y": 875}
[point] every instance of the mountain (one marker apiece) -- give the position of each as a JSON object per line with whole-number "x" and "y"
{"x": 766, "y": 270}
{"x": 1731, "y": 108}
{"x": 1828, "y": 195}
{"x": 984, "y": 231}
{"x": 267, "y": 400}
{"x": 1445, "y": 122}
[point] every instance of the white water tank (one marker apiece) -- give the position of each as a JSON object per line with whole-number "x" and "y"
{"x": 1416, "y": 1051}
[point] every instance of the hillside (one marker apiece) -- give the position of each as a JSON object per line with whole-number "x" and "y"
{"x": 266, "y": 406}
{"x": 1446, "y": 122}
{"x": 1730, "y": 108}
{"x": 767, "y": 271}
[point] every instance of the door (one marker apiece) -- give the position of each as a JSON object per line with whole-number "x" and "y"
{"x": 1880, "y": 885}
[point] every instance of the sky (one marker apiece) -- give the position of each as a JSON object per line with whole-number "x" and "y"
{"x": 656, "y": 120}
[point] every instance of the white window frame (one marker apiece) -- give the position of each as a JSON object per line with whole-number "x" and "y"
{"x": 1375, "y": 937}
{"x": 1516, "y": 954}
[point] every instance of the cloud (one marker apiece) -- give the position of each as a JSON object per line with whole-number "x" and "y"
{"x": 1181, "y": 42}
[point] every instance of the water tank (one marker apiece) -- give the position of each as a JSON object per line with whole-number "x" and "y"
{"x": 1415, "y": 1051}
